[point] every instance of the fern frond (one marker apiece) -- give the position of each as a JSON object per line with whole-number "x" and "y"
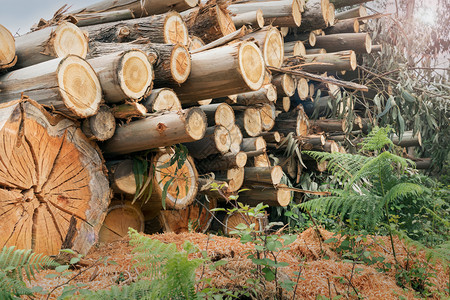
{"x": 10, "y": 288}
{"x": 403, "y": 189}
{"x": 377, "y": 139}
{"x": 17, "y": 261}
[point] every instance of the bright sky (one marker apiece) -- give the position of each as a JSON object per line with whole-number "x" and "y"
{"x": 20, "y": 15}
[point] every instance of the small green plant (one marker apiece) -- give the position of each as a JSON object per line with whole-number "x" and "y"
{"x": 14, "y": 264}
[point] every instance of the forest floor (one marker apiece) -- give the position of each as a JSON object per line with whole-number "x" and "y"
{"x": 323, "y": 272}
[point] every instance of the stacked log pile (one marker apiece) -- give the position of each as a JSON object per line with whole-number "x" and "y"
{"x": 93, "y": 101}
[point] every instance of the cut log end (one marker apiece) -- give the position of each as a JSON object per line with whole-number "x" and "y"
{"x": 183, "y": 188}
{"x": 135, "y": 74}
{"x": 267, "y": 112}
{"x": 51, "y": 173}
{"x": 162, "y": 99}
{"x": 182, "y": 67}
{"x": 224, "y": 116}
{"x": 235, "y": 178}
{"x": 120, "y": 217}
{"x": 101, "y": 126}
{"x": 251, "y": 64}
{"x": 303, "y": 88}
{"x": 241, "y": 159}
{"x": 195, "y": 43}
{"x": 274, "y": 48}
{"x": 196, "y": 123}
{"x": 222, "y": 139}
{"x": 299, "y": 49}
{"x": 296, "y": 13}
{"x": 260, "y": 18}
{"x": 79, "y": 86}
{"x": 225, "y": 22}
{"x": 7, "y": 49}
{"x": 252, "y": 121}
{"x": 331, "y": 14}
{"x": 175, "y": 30}
{"x": 283, "y": 196}
{"x": 368, "y": 43}
{"x": 69, "y": 39}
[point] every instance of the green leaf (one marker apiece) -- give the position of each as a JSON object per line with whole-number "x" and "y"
{"x": 165, "y": 190}
{"x": 62, "y": 268}
{"x": 74, "y": 260}
{"x": 269, "y": 275}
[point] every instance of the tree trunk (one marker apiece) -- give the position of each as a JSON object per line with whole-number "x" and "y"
{"x": 171, "y": 63}
{"x": 267, "y": 175}
{"x": 124, "y": 75}
{"x": 8, "y": 56}
{"x": 307, "y": 38}
{"x": 315, "y": 15}
{"x": 277, "y": 13}
{"x": 255, "y": 19}
{"x": 222, "y": 162}
{"x": 168, "y": 28}
{"x": 219, "y": 114}
{"x": 158, "y": 131}
{"x": 196, "y": 217}
{"x": 344, "y": 26}
{"x": 68, "y": 85}
{"x": 216, "y": 140}
{"x": 129, "y": 110}
{"x": 223, "y": 71}
{"x": 101, "y": 126}
{"x": 330, "y": 125}
{"x": 356, "y": 12}
{"x": 315, "y": 51}
{"x": 358, "y": 42}
{"x": 121, "y": 216}
{"x": 268, "y": 116}
{"x": 209, "y": 22}
{"x": 162, "y": 100}
{"x": 329, "y": 62}
{"x": 87, "y": 19}
{"x": 271, "y": 44}
{"x": 268, "y": 195}
{"x": 283, "y": 104}
{"x": 342, "y": 3}
{"x": 249, "y": 121}
{"x": 408, "y": 139}
{"x": 253, "y": 144}
{"x": 138, "y": 8}
{"x": 49, "y": 173}
{"x": 51, "y": 42}
{"x": 266, "y": 94}
{"x": 271, "y": 136}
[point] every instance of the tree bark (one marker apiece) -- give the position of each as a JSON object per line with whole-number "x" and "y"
{"x": 285, "y": 85}
{"x": 343, "y": 3}
{"x": 255, "y": 19}
{"x": 271, "y": 44}
{"x": 168, "y": 28}
{"x": 209, "y": 22}
{"x": 408, "y": 139}
{"x": 101, "y": 126}
{"x": 277, "y": 13}
{"x": 233, "y": 177}
{"x": 268, "y": 175}
{"x": 68, "y": 85}
{"x": 222, "y": 162}
{"x": 315, "y": 51}
{"x": 162, "y": 100}
{"x": 320, "y": 63}
{"x": 358, "y": 42}
{"x": 124, "y": 75}
{"x": 129, "y": 110}
{"x": 268, "y": 195}
{"x": 344, "y": 26}
{"x": 49, "y": 43}
{"x": 315, "y": 15}
{"x": 138, "y": 8}
{"x": 223, "y": 71}
{"x": 283, "y": 104}
{"x": 8, "y": 56}
{"x": 356, "y": 12}
{"x": 49, "y": 172}
{"x": 295, "y": 121}
{"x": 266, "y": 94}
{"x": 216, "y": 140}
{"x": 158, "y": 131}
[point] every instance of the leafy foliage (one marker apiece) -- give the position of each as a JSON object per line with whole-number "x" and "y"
{"x": 166, "y": 272}
{"x": 373, "y": 183}
{"x": 14, "y": 263}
